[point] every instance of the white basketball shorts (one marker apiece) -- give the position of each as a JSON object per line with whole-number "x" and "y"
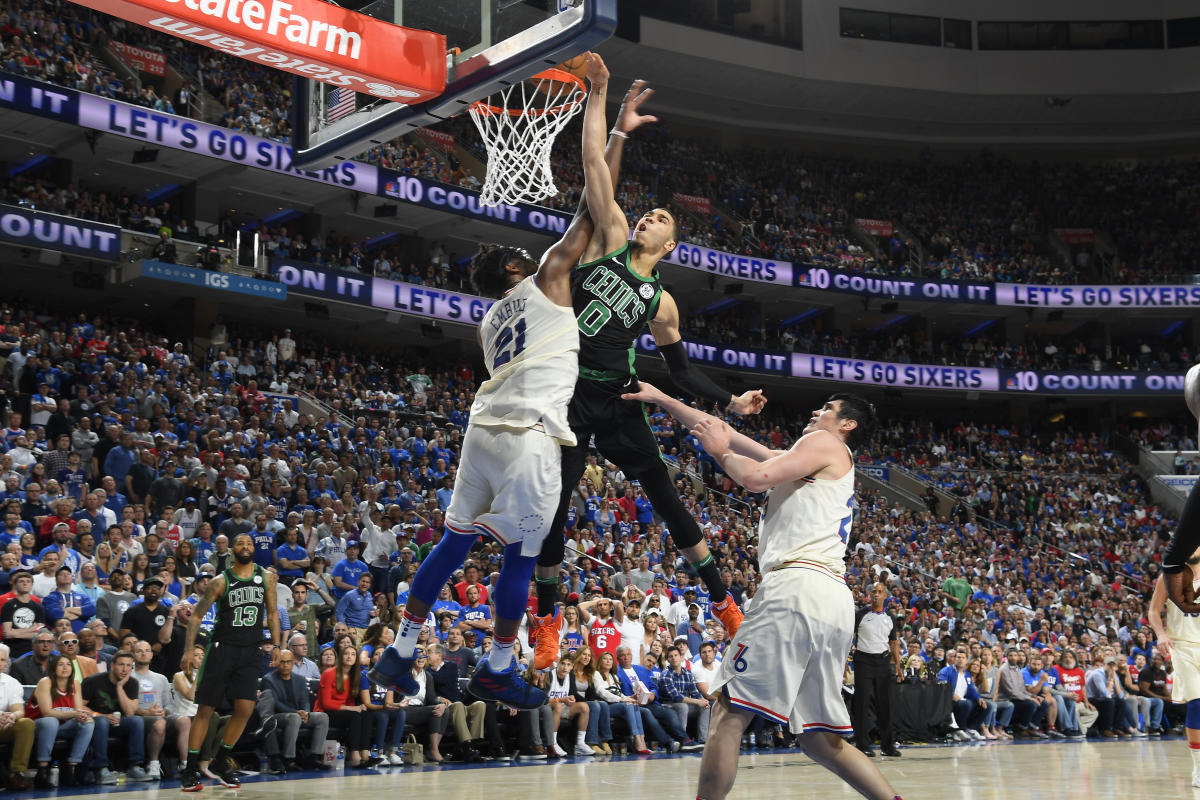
{"x": 787, "y": 659}
{"x": 1186, "y": 658}
{"x": 507, "y": 486}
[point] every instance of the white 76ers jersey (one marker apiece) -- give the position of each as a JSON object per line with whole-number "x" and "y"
{"x": 807, "y": 520}
{"x": 531, "y": 348}
{"x": 1183, "y": 627}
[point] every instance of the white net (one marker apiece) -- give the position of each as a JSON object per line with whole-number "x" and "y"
{"x": 518, "y": 128}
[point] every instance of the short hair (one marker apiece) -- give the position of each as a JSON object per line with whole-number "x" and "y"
{"x": 122, "y": 654}
{"x": 297, "y": 636}
{"x": 858, "y": 409}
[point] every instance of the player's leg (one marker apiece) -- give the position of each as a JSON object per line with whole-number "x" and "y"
{"x": 472, "y": 496}
{"x": 550, "y": 558}
{"x": 718, "y": 765}
{"x": 1192, "y": 726}
{"x": 831, "y": 751}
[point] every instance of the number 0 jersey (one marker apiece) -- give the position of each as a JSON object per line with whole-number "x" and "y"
{"x": 531, "y": 348}
{"x": 613, "y": 304}
{"x": 807, "y": 520}
{"x": 241, "y": 609}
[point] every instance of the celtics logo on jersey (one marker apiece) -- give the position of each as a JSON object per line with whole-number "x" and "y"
{"x": 614, "y": 297}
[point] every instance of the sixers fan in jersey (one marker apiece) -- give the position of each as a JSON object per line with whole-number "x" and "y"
{"x": 786, "y": 661}
{"x": 616, "y": 293}
{"x": 508, "y": 483}
{"x": 602, "y": 617}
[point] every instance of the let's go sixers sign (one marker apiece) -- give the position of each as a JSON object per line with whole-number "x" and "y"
{"x": 307, "y": 38}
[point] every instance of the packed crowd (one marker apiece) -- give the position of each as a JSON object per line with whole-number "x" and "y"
{"x": 129, "y": 466}
{"x": 982, "y": 218}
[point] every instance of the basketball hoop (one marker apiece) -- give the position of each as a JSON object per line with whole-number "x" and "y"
{"x": 519, "y": 132}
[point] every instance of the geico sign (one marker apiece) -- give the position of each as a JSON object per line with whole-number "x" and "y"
{"x": 308, "y": 38}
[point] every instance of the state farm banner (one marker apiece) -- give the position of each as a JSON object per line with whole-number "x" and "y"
{"x": 694, "y": 203}
{"x": 149, "y": 61}
{"x": 442, "y": 141}
{"x": 876, "y": 227}
{"x": 307, "y": 38}
{"x": 1077, "y": 235}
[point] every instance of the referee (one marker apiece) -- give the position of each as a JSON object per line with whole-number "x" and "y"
{"x": 876, "y": 660}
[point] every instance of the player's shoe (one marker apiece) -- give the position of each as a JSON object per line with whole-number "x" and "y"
{"x": 1196, "y": 777}
{"x": 546, "y": 634}
{"x": 224, "y": 772}
{"x": 506, "y": 687}
{"x": 189, "y": 781}
{"x": 730, "y": 615}
{"x": 393, "y": 671}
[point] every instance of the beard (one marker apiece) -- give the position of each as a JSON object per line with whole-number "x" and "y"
{"x": 243, "y": 559}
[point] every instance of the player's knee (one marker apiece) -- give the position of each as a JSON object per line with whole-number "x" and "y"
{"x": 1192, "y": 720}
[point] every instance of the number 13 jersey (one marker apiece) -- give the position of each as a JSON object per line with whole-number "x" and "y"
{"x": 531, "y": 349}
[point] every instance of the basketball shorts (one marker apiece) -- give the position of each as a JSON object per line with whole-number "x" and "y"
{"x": 1186, "y": 658}
{"x": 788, "y": 657}
{"x": 507, "y": 486}
{"x": 229, "y": 672}
{"x": 622, "y": 431}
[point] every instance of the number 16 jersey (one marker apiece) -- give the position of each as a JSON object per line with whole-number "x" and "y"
{"x": 531, "y": 349}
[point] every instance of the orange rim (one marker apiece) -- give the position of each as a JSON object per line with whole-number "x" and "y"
{"x": 558, "y": 75}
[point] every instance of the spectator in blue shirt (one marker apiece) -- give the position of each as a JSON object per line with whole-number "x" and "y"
{"x": 475, "y": 615}
{"x": 347, "y": 571}
{"x": 264, "y": 541}
{"x": 66, "y": 603}
{"x": 357, "y": 607}
{"x": 444, "y": 494}
{"x": 120, "y": 459}
{"x": 677, "y": 691}
{"x": 291, "y": 558}
{"x": 969, "y": 707}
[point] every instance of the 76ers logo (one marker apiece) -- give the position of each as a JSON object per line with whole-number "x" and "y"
{"x": 739, "y": 658}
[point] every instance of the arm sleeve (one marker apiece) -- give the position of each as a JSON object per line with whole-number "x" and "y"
{"x": 691, "y": 380}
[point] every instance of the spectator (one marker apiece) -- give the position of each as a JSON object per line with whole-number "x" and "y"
{"x": 424, "y": 710}
{"x": 385, "y": 713}
{"x": 357, "y": 608}
{"x": 969, "y": 707}
{"x": 154, "y": 695}
{"x": 58, "y": 704}
{"x": 22, "y": 616}
{"x": 35, "y": 665}
{"x": 292, "y": 711}
{"x": 1072, "y": 679}
{"x": 67, "y": 603}
{"x": 677, "y": 688}
{"x": 151, "y": 620}
{"x": 112, "y": 699}
{"x": 467, "y": 719}
{"x": 346, "y": 572}
{"x": 1028, "y": 711}
{"x": 15, "y": 728}
{"x": 339, "y": 690}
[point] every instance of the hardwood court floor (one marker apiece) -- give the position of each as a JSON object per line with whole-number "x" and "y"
{"x": 1029, "y": 771}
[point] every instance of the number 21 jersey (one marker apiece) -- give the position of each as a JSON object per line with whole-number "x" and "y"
{"x": 531, "y": 349}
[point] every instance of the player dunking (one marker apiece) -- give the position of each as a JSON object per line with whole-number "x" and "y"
{"x": 1179, "y": 641}
{"x": 786, "y": 661}
{"x": 616, "y": 293}
{"x": 233, "y": 661}
{"x": 508, "y": 482}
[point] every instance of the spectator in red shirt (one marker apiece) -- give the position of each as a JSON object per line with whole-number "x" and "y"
{"x": 339, "y": 684}
{"x": 1071, "y": 678}
{"x": 470, "y": 578}
{"x": 62, "y": 513}
{"x": 628, "y": 505}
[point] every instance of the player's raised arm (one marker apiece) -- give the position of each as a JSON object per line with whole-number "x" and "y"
{"x": 554, "y": 273}
{"x": 665, "y": 328}
{"x": 814, "y": 452}
{"x": 611, "y": 231}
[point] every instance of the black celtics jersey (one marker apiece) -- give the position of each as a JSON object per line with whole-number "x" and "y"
{"x": 241, "y": 609}
{"x": 612, "y": 305}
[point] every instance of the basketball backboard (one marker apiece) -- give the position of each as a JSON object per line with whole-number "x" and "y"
{"x": 492, "y": 44}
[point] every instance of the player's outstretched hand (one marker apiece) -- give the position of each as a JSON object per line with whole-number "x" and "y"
{"x": 630, "y": 118}
{"x": 597, "y": 72}
{"x": 1180, "y": 591}
{"x": 714, "y": 435}
{"x": 750, "y": 402}
{"x": 646, "y": 393}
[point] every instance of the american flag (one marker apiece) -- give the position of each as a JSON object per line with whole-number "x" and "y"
{"x": 338, "y": 103}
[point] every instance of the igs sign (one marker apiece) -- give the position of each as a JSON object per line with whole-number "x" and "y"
{"x": 307, "y": 38}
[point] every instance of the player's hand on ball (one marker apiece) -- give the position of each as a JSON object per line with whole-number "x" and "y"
{"x": 750, "y": 402}
{"x": 714, "y": 435}
{"x": 629, "y": 117}
{"x": 597, "y": 72}
{"x": 1180, "y": 590}
{"x": 646, "y": 393}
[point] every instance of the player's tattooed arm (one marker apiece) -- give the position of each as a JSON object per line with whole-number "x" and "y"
{"x": 214, "y": 589}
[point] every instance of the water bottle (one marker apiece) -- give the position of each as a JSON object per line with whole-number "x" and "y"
{"x": 341, "y": 759}
{"x": 753, "y": 743}
{"x": 54, "y": 774}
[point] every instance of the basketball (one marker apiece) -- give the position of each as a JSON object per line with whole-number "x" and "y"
{"x": 577, "y": 66}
